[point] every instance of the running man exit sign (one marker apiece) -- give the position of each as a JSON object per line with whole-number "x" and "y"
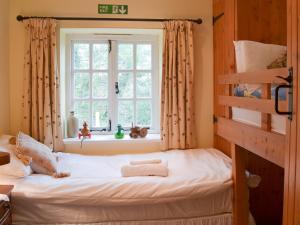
{"x": 112, "y": 9}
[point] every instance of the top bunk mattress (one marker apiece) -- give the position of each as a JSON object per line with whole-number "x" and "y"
{"x": 253, "y": 56}
{"x": 97, "y": 180}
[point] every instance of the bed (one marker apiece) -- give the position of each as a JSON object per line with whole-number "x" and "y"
{"x": 247, "y": 120}
{"x": 198, "y": 190}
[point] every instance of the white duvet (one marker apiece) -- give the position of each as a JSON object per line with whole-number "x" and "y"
{"x": 97, "y": 180}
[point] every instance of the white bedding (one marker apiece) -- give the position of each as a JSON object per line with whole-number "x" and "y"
{"x": 278, "y": 123}
{"x": 96, "y": 192}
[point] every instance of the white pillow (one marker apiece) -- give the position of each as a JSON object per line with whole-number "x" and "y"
{"x": 252, "y": 56}
{"x": 43, "y": 159}
{"x": 15, "y": 168}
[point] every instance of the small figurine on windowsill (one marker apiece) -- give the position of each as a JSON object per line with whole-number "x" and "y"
{"x": 84, "y": 133}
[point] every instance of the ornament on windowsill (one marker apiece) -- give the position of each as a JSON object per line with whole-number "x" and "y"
{"x": 143, "y": 132}
{"x": 72, "y": 125}
{"x": 120, "y": 132}
{"x": 84, "y": 132}
{"x": 136, "y": 131}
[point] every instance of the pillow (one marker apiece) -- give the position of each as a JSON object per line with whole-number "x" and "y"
{"x": 252, "y": 56}
{"x": 15, "y": 168}
{"x": 43, "y": 160}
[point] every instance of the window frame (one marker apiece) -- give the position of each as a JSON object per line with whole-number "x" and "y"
{"x": 113, "y": 70}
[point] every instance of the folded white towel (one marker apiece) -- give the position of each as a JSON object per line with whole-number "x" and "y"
{"x": 4, "y": 198}
{"x": 140, "y": 162}
{"x": 159, "y": 169}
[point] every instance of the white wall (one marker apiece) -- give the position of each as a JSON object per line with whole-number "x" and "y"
{"x": 137, "y": 8}
{"x": 4, "y": 67}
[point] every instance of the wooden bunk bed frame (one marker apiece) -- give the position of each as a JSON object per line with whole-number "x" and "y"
{"x": 258, "y": 140}
{"x": 275, "y": 22}
{"x": 263, "y": 21}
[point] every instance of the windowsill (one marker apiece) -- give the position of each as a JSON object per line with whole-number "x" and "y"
{"x": 111, "y": 139}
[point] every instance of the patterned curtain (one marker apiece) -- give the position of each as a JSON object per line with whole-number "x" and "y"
{"x": 41, "y": 100}
{"x": 177, "y": 113}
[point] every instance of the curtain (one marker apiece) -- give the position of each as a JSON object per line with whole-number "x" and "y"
{"x": 177, "y": 113}
{"x": 41, "y": 100}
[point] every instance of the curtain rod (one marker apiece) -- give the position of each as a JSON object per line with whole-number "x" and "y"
{"x": 21, "y": 18}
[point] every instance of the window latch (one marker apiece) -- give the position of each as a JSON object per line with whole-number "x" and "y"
{"x": 117, "y": 91}
{"x": 109, "y": 46}
{"x": 109, "y": 125}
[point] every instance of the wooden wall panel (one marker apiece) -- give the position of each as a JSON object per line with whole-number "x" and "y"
{"x": 269, "y": 193}
{"x": 262, "y": 20}
{"x": 219, "y": 69}
{"x": 292, "y": 158}
{"x": 297, "y": 121}
{"x": 240, "y": 189}
{"x": 219, "y": 52}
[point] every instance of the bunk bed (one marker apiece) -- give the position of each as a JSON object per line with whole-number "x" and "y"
{"x": 237, "y": 134}
{"x": 259, "y": 140}
{"x": 266, "y": 99}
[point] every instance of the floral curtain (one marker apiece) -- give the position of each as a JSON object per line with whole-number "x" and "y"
{"x": 41, "y": 100}
{"x": 177, "y": 111}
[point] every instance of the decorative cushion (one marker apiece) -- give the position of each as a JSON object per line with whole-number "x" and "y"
{"x": 43, "y": 159}
{"x": 15, "y": 168}
{"x": 279, "y": 62}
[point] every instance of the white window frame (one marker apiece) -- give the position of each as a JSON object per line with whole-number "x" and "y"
{"x": 113, "y": 75}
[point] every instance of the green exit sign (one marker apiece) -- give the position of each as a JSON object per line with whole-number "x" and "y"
{"x": 112, "y": 9}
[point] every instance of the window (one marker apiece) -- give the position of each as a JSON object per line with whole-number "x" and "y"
{"x": 114, "y": 80}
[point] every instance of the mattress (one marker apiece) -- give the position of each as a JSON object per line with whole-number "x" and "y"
{"x": 278, "y": 123}
{"x": 253, "y": 56}
{"x": 198, "y": 185}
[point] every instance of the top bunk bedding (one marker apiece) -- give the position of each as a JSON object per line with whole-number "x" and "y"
{"x": 97, "y": 180}
{"x": 253, "y": 56}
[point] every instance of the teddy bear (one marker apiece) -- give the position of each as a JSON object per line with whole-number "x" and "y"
{"x": 26, "y": 160}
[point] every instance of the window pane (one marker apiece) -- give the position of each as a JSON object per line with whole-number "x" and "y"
{"x": 125, "y": 56}
{"x": 81, "y": 56}
{"x": 82, "y": 109}
{"x": 100, "y": 56}
{"x": 143, "y": 85}
{"x": 125, "y": 85}
{"x": 125, "y": 113}
{"x": 143, "y": 113}
{"x": 100, "y": 85}
{"x": 100, "y": 114}
{"x": 81, "y": 85}
{"x": 143, "y": 57}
